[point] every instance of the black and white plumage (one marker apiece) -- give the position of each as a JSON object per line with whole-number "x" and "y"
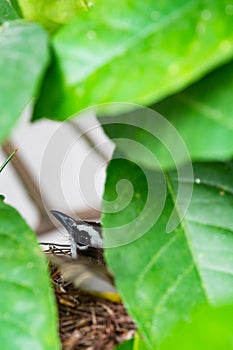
{"x": 85, "y": 238}
{"x": 86, "y": 268}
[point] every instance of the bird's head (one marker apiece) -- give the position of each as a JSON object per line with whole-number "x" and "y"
{"x": 81, "y": 233}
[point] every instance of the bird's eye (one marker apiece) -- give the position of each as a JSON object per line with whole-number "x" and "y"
{"x": 83, "y": 238}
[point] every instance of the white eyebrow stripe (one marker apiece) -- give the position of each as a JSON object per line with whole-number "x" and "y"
{"x": 96, "y": 240}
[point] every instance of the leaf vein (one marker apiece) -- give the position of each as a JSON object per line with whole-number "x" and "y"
{"x": 173, "y": 287}
{"x": 143, "y": 34}
{"x": 153, "y": 260}
{"x": 188, "y": 239}
{"x": 208, "y": 112}
{"x": 208, "y": 224}
{"x": 218, "y": 269}
{"x": 16, "y": 283}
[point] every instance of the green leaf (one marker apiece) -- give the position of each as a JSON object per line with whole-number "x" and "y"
{"x": 23, "y": 60}
{"x": 51, "y": 14}
{"x": 136, "y": 343}
{"x": 7, "y": 12}
{"x": 146, "y": 137}
{"x": 210, "y": 329}
{"x": 206, "y": 110}
{"x": 28, "y": 318}
{"x": 163, "y": 277}
{"x": 128, "y": 345}
{"x": 134, "y": 51}
{"x": 205, "y": 107}
{"x": 15, "y": 4}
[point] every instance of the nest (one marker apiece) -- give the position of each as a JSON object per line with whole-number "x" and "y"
{"x": 87, "y": 321}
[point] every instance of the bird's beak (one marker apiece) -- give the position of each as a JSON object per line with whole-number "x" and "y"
{"x": 65, "y": 220}
{"x": 81, "y": 232}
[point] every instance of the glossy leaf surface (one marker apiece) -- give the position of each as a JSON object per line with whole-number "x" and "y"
{"x": 28, "y": 318}
{"x": 169, "y": 275}
{"x": 7, "y": 12}
{"x": 23, "y": 60}
{"x": 51, "y": 14}
{"x": 134, "y": 51}
{"x": 210, "y": 329}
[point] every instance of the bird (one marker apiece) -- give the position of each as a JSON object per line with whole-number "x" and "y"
{"x": 85, "y": 237}
{"x": 86, "y": 267}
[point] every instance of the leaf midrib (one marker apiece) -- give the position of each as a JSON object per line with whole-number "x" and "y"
{"x": 207, "y": 112}
{"x": 184, "y": 226}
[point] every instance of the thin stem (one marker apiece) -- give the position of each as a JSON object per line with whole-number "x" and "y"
{"x": 7, "y": 160}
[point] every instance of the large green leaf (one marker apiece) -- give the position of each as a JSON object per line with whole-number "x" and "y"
{"x": 128, "y": 345}
{"x": 207, "y": 108}
{"x": 51, "y": 14}
{"x": 15, "y": 4}
{"x": 164, "y": 277}
{"x": 210, "y": 329}
{"x": 134, "y": 51}
{"x": 28, "y": 318}
{"x": 7, "y": 12}
{"x": 136, "y": 343}
{"x": 146, "y": 137}
{"x": 23, "y": 60}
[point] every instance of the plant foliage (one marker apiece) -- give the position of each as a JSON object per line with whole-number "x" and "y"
{"x": 175, "y": 56}
{"x": 27, "y": 310}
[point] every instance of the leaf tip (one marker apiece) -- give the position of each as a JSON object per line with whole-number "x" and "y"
{"x": 2, "y": 197}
